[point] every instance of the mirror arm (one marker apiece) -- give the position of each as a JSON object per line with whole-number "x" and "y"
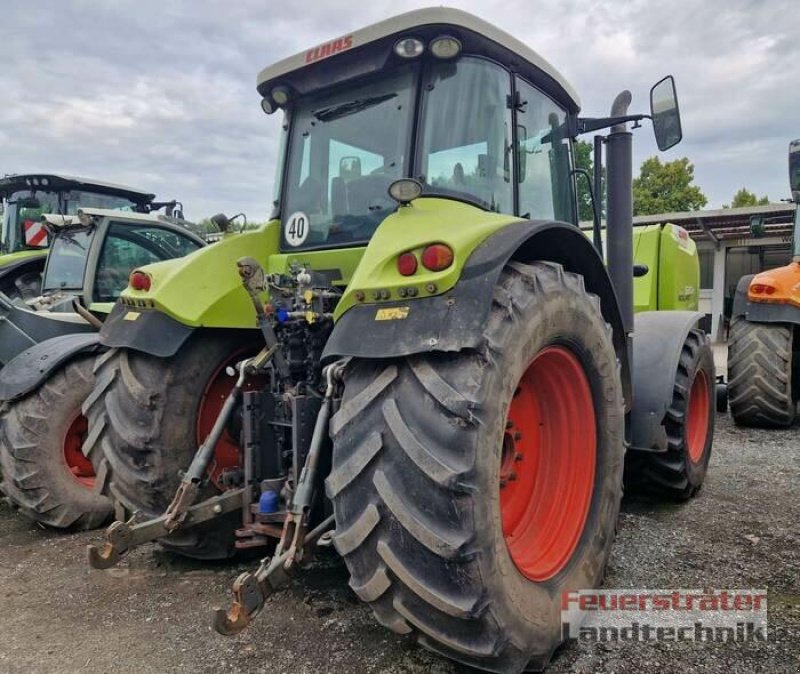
{"x": 587, "y": 124}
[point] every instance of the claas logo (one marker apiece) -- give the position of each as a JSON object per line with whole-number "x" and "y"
{"x": 329, "y": 49}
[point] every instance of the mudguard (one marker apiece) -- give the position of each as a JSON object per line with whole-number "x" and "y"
{"x": 32, "y": 367}
{"x": 761, "y": 312}
{"x": 21, "y": 328}
{"x": 455, "y": 320}
{"x": 34, "y": 262}
{"x": 143, "y": 330}
{"x": 657, "y": 342}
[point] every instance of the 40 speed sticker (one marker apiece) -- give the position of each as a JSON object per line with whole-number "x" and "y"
{"x": 296, "y": 229}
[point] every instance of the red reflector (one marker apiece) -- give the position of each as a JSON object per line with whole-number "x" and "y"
{"x": 140, "y": 281}
{"x": 437, "y": 257}
{"x": 407, "y": 264}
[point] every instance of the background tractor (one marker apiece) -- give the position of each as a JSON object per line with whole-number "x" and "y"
{"x": 47, "y": 349}
{"x": 764, "y": 337}
{"x": 422, "y": 360}
{"x": 24, "y": 237}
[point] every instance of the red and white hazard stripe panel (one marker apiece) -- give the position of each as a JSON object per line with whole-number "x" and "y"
{"x": 35, "y": 234}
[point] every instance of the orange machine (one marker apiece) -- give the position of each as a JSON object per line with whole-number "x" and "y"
{"x": 764, "y": 339}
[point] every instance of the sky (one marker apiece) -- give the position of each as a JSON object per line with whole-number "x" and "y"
{"x": 160, "y": 95}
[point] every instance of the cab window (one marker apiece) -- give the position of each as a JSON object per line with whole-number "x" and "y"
{"x": 346, "y": 148}
{"x": 127, "y": 247}
{"x": 466, "y": 133}
{"x": 544, "y": 172}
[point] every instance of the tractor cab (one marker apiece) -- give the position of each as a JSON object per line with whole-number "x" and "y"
{"x": 94, "y": 251}
{"x": 436, "y": 96}
{"x": 89, "y": 263}
{"x": 27, "y": 197}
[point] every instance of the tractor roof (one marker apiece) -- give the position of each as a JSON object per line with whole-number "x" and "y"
{"x": 21, "y": 181}
{"x": 370, "y": 49}
{"x": 131, "y": 218}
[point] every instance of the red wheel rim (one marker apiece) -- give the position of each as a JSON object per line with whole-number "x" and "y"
{"x": 226, "y": 453}
{"x": 548, "y": 463}
{"x": 78, "y": 465}
{"x": 697, "y": 421}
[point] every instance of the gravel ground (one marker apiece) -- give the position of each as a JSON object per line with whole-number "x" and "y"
{"x": 151, "y": 615}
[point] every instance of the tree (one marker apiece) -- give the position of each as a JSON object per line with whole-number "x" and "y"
{"x": 745, "y": 197}
{"x": 583, "y": 160}
{"x": 666, "y": 188}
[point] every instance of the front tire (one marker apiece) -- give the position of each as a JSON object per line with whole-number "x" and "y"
{"x": 679, "y": 472}
{"x": 45, "y": 473}
{"x": 147, "y": 417}
{"x": 438, "y": 537}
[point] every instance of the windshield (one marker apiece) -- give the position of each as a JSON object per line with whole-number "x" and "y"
{"x": 345, "y": 151}
{"x": 22, "y": 228}
{"x": 66, "y": 262}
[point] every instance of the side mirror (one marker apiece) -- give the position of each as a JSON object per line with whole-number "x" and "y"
{"x": 221, "y": 221}
{"x": 665, "y": 114}
{"x": 350, "y": 168}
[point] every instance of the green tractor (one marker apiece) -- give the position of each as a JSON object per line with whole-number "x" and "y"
{"x": 91, "y": 255}
{"x": 420, "y": 360}
{"x": 24, "y": 237}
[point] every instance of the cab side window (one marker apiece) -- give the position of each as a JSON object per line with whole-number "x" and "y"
{"x": 127, "y": 247}
{"x": 545, "y": 182}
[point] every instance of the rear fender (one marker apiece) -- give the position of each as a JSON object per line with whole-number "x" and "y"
{"x": 762, "y": 312}
{"x": 21, "y": 328}
{"x": 148, "y": 331}
{"x": 18, "y": 264}
{"x": 658, "y": 339}
{"x": 455, "y": 320}
{"x": 31, "y": 368}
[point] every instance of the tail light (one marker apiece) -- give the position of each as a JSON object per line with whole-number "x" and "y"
{"x": 140, "y": 281}
{"x": 407, "y": 264}
{"x": 762, "y": 289}
{"x": 437, "y": 257}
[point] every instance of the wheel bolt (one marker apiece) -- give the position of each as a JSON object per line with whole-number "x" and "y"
{"x": 509, "y": 424}
{"x": 512, "y": 477}
{"x": 517, "y": 436}
{"x": 517, "y": 457}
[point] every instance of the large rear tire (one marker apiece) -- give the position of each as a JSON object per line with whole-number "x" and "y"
{"x": 472, "y": 489}
{"x": 45, "y": 473}
{"x": 679, "y": 472}
{"x": 147, "y": 417}
{"x": 761, "y": 390}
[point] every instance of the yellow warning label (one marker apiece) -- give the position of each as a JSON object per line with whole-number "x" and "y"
{"x": 392, "y": 314}
{"x": 131, "y": 316}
